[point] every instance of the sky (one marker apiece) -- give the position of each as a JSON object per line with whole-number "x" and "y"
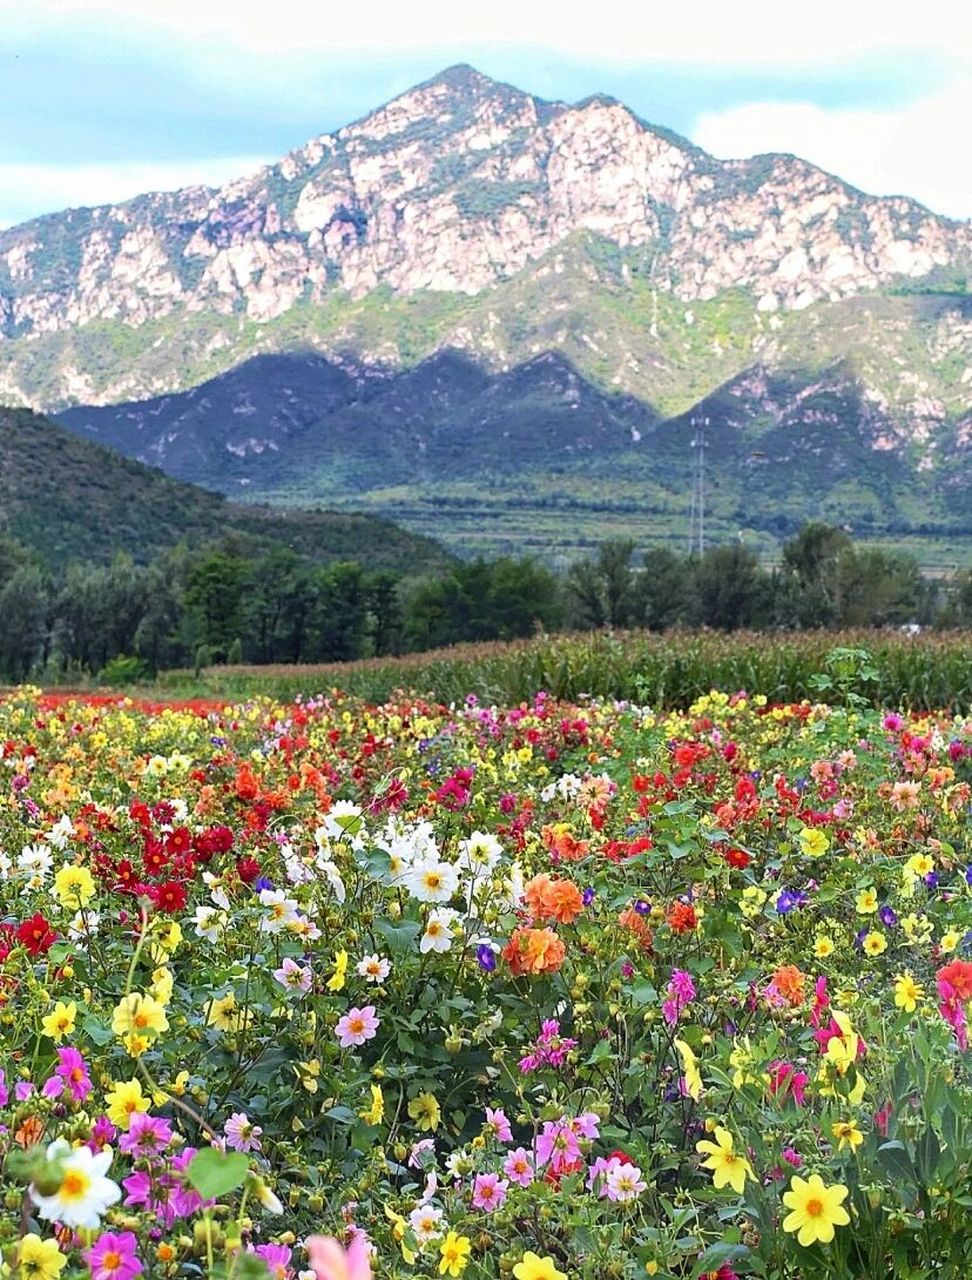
{"x": 101, "y": 100}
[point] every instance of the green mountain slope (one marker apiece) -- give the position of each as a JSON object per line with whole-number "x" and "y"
{"x": 70, "y": 499}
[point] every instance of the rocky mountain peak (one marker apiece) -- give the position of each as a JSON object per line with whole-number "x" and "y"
{"x": 451, "y": 190}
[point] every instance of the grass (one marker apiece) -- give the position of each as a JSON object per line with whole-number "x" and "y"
{"x": 921, "y": 672}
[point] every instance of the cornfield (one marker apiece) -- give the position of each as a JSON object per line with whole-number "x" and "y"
{"x": 921, "y": 672}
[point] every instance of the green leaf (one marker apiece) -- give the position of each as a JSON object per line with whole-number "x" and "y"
{"x": 95, "y": 1030}
{"x": 895, "y": 1158}
{"x": 601, "y": 1051}
{"x": 216, "y": 1173}
{"x": 250, "y": 1266}
{"x": 928, "y": 1153}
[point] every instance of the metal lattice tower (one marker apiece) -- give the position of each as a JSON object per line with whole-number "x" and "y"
{"x": 696, "y": 534}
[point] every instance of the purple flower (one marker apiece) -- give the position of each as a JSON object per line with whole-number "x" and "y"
{"x": 587, "y": 897}
{"x": 888, "y": 916}
{"x": 642, "y": 907}
{"x": 486, "y": 957}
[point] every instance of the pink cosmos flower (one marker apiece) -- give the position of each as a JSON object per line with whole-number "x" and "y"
{"x": 498, "y": 1123}
{"x": 557, "y": 1145}
{"x": 489, "y": 1191}
{"x": 586, "y": 1125}
{"x": 357, "y": 1026}
{"x": 623, "y": 1181}
{"x": 518, "y": 1167}
{"x": 113, "y": 1256}
{"x": 73, "y": 1071}
{"x": 241, "y": 1133}
{"x": 330, "y": 1260}
{"x": 598, "y": 1172}
{"x": 294, "y": 976}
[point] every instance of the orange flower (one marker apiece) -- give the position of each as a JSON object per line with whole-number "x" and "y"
{"x": 636, "y": 924}
{"x": 788, "y": 981}
{"x": 681, "y": 917}
{"x": 552, "y": 899}
{"x": 534, "y": 951}
{"x": 30, "y": 1132}
{"x": 562, "y": 842}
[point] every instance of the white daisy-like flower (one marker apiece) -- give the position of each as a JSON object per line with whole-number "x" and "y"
{"x": 438, "y": 930}
{"x": 281, "y": 910}
{"x": 426, "y": 1222}
{"x": 373, "y": 969}
{"x": 480, "y": 853}
{"x": 85, "y": 1193}
{"x": 429, "y": 880}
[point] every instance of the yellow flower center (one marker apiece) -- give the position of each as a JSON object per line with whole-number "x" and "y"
{"x": 75, "y": 1185}
{"x": 356, "y": 1026}
{"x": 111, "y": 1260}
{"x": 814, "y": 1207}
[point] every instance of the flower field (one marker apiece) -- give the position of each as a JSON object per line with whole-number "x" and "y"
{"x": 561, "y": 989}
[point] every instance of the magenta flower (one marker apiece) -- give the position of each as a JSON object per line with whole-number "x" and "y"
{"x": 103, "y": 1132}
{"x": 241, "y": 1133}
{"x": 277, "y": 1257}
{"x": 147, "y": 1135}
{"x": 681, "y": 991}
{"x": 113, "y": 1256}
{"x": 518, "y": 1167}
{"x": 357, "y": 1026}
{"x": 499, "y": 1125}
{"x": 489, "y": 1191}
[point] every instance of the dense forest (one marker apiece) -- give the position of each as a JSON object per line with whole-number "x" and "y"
{"x": 220, "y": 603}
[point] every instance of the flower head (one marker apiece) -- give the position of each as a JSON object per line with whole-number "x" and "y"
{"x": 815, "y": 1209}
{"x": 729, "y": 1169}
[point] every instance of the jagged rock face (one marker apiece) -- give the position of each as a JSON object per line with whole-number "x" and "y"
{"x": 456, "y": 186}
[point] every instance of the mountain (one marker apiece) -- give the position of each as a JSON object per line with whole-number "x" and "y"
{"x": 73, "y": 500}
{"x": 443, "y": 275}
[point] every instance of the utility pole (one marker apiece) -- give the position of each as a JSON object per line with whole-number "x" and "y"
{"x": 696, "y": 537}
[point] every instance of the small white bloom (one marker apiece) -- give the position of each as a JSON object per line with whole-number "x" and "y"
{"x": 281, "y": 910}
{"x": 426, "y": 1222}
{"x": 480, "y": 853}
{"x": 374, "y": 969}
{"x": 438, "y": 930}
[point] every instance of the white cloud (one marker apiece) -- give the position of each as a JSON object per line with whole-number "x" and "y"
{"x": 749, "y": 31}
{"x": 916, "y": 150}
{"x": 28, "y": 190}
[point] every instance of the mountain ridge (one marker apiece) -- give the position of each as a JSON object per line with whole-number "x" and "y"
{"x": 468, "y": 216}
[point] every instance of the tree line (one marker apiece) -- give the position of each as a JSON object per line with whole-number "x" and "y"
{"x": 217, "y": 603}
